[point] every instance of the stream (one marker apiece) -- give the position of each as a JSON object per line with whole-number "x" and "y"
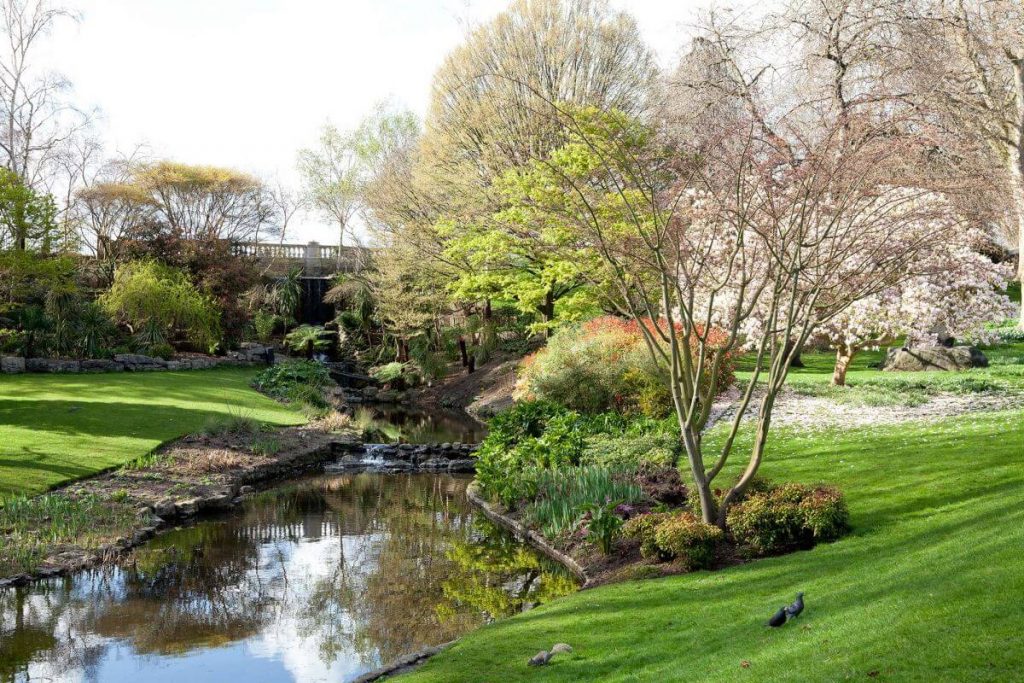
{"x": 320, "y": 579}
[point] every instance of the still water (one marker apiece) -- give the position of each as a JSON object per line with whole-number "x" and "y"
{"x": 394, "y": 423}
{"x": 320, "y": 580}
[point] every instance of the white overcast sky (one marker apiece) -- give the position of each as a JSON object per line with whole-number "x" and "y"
{"x": 246, "y": 83}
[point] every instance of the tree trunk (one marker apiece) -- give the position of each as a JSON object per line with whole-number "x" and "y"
{"x": 487, "y": 309}
{"x": 1016, "y": 162}
{"x": 844, "y": 356}
{"x": 797, "y": 362}
{"x": 463, "y": 353}
{"x": 548, "y": 311}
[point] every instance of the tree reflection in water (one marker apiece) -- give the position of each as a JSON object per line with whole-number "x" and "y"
{"x": 326, "y": 578}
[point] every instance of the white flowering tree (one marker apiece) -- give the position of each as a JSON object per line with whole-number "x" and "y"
{"x": 952, "y": 290}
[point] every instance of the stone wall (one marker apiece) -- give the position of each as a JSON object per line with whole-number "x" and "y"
{"x": 250, "y": 354}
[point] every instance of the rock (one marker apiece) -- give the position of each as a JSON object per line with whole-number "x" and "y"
{"x": 246, "y": 490}
{"x": 919, "y": 358}
{"x": 446, "y": 447}
{"x": 173, "y": 365}
{"x": 52, "y": 365}
{"x": 164, "y": 508}
{"x": 187, "y": 508}
{"x": 389, "y": 396}
{"x": 369, "y": 392}
{"x": 12, "y": 365}
{"x": 101, "y": 365}
{"x": 218, "y": 501}
{"x": 559, "y": 648}
{"x": 540, "y": 659}
{"x": 462, "y": 465}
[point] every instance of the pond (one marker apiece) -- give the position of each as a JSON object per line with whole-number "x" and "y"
{"x": 395, "y": 423}
{"x": 323, "y": 579}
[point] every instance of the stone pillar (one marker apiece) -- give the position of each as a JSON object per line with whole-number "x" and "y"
{"x": 312, "y": 259}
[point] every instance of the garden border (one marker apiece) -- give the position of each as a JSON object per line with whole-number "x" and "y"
{"x": 521, "y": 532}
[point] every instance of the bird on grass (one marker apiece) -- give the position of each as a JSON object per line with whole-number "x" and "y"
{"x": 779, "y": 618}
{"x": 796, "y": 608}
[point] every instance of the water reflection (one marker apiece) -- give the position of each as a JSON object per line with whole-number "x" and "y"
{"x": 323, "y": 580}
{"x": 390, "y": 423}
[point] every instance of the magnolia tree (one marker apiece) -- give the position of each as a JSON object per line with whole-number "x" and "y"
{"x": 952, "y": 290}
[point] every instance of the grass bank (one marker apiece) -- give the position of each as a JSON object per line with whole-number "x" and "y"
{"x": 926, "y": 588}
{"x": 56, "y": 428}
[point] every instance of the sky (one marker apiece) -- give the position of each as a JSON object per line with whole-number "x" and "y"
{"x": 246, "y": 83}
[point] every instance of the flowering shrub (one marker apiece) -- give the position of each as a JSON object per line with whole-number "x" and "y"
{"x": 683, "y": 537}
{"x": 773, "y": 519}
{"x": 604, "y": 364}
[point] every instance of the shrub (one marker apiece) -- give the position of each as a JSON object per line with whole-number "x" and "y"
{"x": 655, "y": 449}
{"x": 603, "y": 365}
{"x": 265, "y": 324}
{"x": 294, "y": 380}
{"x": 642, "y": 529}
{"x": 772, "y": 519}
{"x": 688, "y": 539}
{"x": 307, "y": 339}
{"x": 165, "y": 351}
{"x": 530, "y": 436}
{"x": 680, "y": 536}
{"x": 161, "y": 302}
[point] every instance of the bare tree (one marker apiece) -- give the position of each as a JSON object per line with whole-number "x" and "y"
{"x": 333, "y": 175}
{"x": 287, "y": 203}
{"x": 36, "y": 114}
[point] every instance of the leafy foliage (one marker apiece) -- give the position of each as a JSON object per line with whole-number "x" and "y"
{"x": 771, "y": 519}
{"x": 308, "y": 339}
{"x": 292, "y": 378}
{"x": 161, "y": 302}
{"x": 601, "y": 365}
{"x": 565, "y": 495}
{"x": 683, "y": 537}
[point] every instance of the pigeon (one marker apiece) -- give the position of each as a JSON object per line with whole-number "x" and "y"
{"x": 540, "y": 659}
{"x": 778, "y": 619}
{"x": 796, "y": 608}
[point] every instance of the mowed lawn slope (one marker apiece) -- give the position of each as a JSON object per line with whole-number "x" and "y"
{"x": 54, "y": 428}
{"x": 928, "y": 587}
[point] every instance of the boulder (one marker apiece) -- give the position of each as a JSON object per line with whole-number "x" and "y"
{"x": 919, "y": 358}
{"x": 52, "y": 365}
{"x": 12, "y": 365}
{"x": 101, "y": 365}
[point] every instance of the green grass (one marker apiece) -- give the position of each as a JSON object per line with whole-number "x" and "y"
{"x": 926, "y": 588}
{"x": 56, "y": 428}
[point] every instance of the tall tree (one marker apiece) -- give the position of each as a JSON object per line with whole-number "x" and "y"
{"x": 333, "y": 174}
{"x": 968, "y": 61}
{"x": 205, "y": 202}
{"x": 490, "y": 110}
{"x": 36, "y": 114}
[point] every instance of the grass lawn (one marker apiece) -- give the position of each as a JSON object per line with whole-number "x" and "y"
{"x": 55, "y": 428}
{"x": 928, "y": 586}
